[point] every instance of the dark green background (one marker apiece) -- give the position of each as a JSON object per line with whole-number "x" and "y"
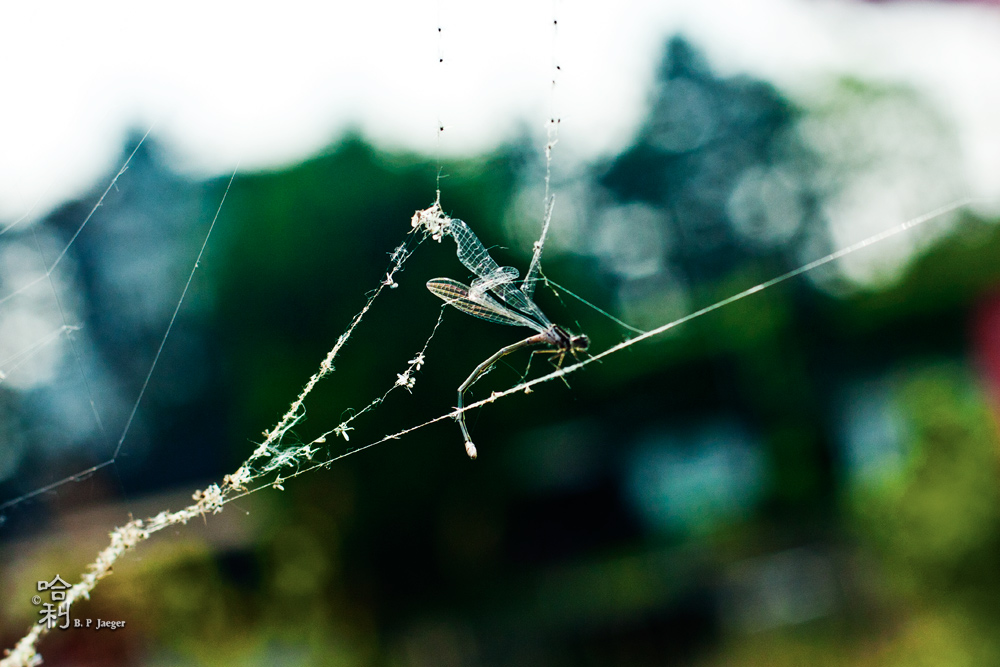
{"x": 690, "y": 500}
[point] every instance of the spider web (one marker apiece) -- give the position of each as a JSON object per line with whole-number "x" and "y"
{"x": 281, "y": 455}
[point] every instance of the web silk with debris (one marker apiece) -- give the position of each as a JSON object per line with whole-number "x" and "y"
{"x": 280, "y": 455}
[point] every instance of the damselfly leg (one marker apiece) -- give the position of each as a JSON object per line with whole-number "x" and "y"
{"x": 482, "y": 369}
{"x": 494, "y": 296}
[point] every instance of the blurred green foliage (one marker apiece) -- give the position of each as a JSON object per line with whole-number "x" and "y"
{"x": 867, "y": 534}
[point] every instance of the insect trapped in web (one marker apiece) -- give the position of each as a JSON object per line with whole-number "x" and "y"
{"x": 494, "y": 296}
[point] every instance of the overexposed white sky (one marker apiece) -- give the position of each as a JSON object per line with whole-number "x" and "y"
{"x": 223, "y": 82}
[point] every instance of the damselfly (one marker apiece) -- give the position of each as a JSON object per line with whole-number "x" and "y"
{"x": 494, "y": 296}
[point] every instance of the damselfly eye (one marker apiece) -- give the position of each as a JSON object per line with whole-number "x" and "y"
{"x": 580, "y": 343}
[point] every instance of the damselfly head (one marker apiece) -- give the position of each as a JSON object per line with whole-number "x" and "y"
{"x": 579, "y": 343}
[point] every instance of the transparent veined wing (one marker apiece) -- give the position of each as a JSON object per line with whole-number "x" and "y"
{"x": 499, "y": 280}
{"x": 482, "y": 306}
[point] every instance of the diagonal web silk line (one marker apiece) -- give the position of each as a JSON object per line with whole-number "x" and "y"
{"x": 47, "y": 275}
{"x": 214, "y": 498}
{"x": 19, "y": 220}
{"x": 173, "y": 318}
{"x": 211, "y": 500}
{"x": 78, "y": 477}
{"x": 62, "y": 253}
{"x": 805, "y": 268}
{"x": 562, "y": 372}
{"x": 19, "y": 357}
{"x": 84, "y": 474}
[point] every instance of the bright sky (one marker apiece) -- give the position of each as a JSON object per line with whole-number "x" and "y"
{"x": 225, "y": 82}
